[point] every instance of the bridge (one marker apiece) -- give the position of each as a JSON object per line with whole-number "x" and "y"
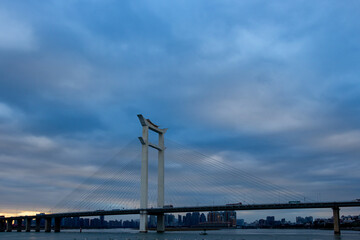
{"x": 6, "y": 223}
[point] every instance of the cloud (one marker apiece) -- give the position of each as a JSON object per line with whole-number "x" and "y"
{"x": 341, "y": 141}
{"x": 256, "y": 107}
{"x": 5, "y": 111}
{"x": 16, "y": 34}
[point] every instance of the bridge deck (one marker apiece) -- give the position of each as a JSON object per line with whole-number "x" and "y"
{"x": 158, "y": 211}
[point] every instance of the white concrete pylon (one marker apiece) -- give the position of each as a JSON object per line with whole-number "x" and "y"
{"x": 161, "y": 183}
{"x": 144, "y": 140}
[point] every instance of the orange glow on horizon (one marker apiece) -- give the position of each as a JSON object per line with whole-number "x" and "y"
{"x": 14, "y": 213}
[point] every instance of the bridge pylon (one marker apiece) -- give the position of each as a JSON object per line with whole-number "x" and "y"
{"x": 144, "y": 140}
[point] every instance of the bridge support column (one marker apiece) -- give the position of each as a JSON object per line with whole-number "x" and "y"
{"x": 37, "y": 226}
{"x": 9, "y": 223}
{"x": 143, "y": 222}
{"x": 160, "y": 223}
{"x": 2, "y": 225}
{"x": 28, "y": 224}
{"x": 336, "y": 216}
{"x": 19, "y": 224}
{"x": 47, "y": 224}
{"x": 57, "y": 224}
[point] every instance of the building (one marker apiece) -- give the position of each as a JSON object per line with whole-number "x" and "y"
{"x": 152, "y": 221}
{"x": 202, "y": 218}
{"x": 102, "y": 221}
{"x": 270, "y": 221}
{"x": 230, "y": 218}
{"x": 180, "y": 220}
{"x": 240, "y": 222}
{"x": 222, "y": 219}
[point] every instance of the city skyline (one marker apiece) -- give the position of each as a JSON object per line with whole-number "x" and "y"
{"x": 203, "y": 220}
{"x": 270, "y": 88}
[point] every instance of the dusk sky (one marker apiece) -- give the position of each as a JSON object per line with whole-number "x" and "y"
{"x": 271, "y": 87}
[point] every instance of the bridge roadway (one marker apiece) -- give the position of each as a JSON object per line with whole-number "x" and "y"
{"x": 159, "y": 211}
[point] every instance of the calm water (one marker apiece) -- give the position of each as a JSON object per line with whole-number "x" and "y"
{"x": 238, "y": 234}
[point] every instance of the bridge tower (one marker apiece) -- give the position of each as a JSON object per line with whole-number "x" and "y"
{"x": 144, "y": 140}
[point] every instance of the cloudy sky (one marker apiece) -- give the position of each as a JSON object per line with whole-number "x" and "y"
{"x": 270, "y": 87}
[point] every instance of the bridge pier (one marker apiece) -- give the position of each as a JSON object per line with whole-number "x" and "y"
{"x": 57, "y": 224}
{"x": 336, "y": 216}
{"x": 19, "y": 224}
{"x": 143, "y": 222}
{"x": 47, "y": 224}
{"x": 28, "y": 224}
{"x": 9, "y": 223}
{"x": 37, "y": 226}
{"x": 160, "y": 223}
{"x": 2, "y": 225}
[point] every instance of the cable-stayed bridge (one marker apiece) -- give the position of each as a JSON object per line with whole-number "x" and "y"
{"x": 194, "y": 183}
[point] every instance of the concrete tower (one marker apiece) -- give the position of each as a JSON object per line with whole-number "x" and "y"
{"x": 146, "y": 126}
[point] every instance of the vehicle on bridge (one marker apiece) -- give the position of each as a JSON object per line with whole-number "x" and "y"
{"x": 168, "y": 206}
{"x": 294, "y": 202}
{"x": 234, "y": 204}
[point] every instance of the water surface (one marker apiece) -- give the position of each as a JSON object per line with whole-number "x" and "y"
{"x": 236, "y": 234}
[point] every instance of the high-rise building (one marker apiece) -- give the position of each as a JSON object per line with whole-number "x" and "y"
{"x": 169, "y": 220}
{"x": 230, "y": 217}
{"x": 81, "y": 220}
{"x": 270, "y": 220}
{"x": 195, "y": 218}
{"x": 152, "y": 221}
{"x": 215, "y": 217}
{"x": 202, "y": 218}
{"x": 309, "y": 219}
{"x": 222, "y": 219}
{"x": 179, "y": 220}
{"x": 102, "y": 221}
{"x": 86, "y": 222}
{"x": 187, "y": 221}
{"x": 95, "y": 223}
{"x": 300, "y": 220}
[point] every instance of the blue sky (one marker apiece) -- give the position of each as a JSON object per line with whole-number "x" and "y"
{"x": 271, "y": 86}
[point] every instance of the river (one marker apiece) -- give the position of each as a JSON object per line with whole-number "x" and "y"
{"x": 236, "y": 234}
